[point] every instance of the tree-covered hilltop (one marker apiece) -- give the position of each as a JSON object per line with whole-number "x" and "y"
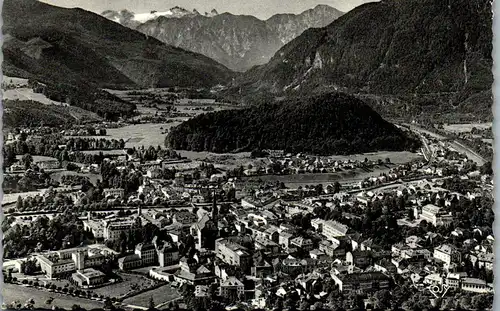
{"x": 324, "y": 124}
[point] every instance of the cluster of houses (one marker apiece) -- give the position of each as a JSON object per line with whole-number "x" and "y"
{"x": 254, "y": 247}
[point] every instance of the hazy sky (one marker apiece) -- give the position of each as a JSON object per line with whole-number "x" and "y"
{"x": 260, "y": 8}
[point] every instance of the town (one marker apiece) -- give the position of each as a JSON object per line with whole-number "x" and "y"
{"x": 91, "y": 223}
{"x": 297, "y": 155}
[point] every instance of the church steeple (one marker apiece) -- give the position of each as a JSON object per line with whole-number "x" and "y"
{"x": 215, "y": 211}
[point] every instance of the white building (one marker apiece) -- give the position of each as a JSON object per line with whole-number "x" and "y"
{"x": 333, "y": 229}
{"x": 114, "y": 192}
{"x": 434, "y": 215}
{"x": 475, "y": 285}
{"x": 448, "y": 254}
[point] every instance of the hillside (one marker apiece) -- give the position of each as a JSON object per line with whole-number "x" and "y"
{"x": 25, "y": 113}
{"x": 434, "y": 56}
{"x": 54, "y": 44}
{"x": 325, "y": 124}
{"x": 237, "y": 41}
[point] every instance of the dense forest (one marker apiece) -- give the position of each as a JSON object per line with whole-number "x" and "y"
{"x": 327, "y": 124}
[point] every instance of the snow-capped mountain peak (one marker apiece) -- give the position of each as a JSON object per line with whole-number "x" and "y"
{"x": 175, "y": 12}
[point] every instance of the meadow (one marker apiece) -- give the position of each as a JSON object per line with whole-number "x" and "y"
{"x": 160, "y": 295}
{"x": 466, "y": 127}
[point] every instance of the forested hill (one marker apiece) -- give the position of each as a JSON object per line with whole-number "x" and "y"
{"x": 325, "y": 124}
{"x": 434, "y": 55}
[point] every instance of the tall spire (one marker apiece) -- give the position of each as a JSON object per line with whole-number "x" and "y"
{"x": 214, "y": 208}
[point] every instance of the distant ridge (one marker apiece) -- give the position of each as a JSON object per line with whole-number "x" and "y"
{"x": 237, "y": 41}
{"x": 409, "y": 57}
{"x": 71, "y": 45}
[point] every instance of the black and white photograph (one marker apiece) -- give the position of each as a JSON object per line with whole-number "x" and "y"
{"x": 235, "y": 155}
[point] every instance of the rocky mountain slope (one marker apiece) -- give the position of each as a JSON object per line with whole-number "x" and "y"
{"x": 237, "y": 41}
{"x": 73, "y": 45}
{"x": 429, "y": 56}
{"x": 132, "y": 20}
{"x": 348, "y": 126}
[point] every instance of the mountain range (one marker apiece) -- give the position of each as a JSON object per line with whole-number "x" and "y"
{"x": 237, "y": 41}
{"x": 404, "y": 57}
{"x": 132, "y": 20}
{"x": 55, "y": 44}
{"x": 70, "y": 55}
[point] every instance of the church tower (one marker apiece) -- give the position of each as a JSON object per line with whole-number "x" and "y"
{"x": 215, "y": 211}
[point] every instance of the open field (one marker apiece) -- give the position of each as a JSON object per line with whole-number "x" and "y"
{"x": 124, "y": 287}
{"x": 466, "y": 127}
{"x": 396, "y": 157}
{"x": 14, "y": 82}
{"x": 25, "y": 93}
{"x": 230, "y": 159}
{"x": 345, "y": 177}
{"x": 160, "y": 295}
{"x": 12, "y": 293}
{"x": 37, "y": 158}
{"x": 148, "y": 134}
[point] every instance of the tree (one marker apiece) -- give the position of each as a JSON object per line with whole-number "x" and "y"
{"x": 19, "y": 203}
{"x": 382, "y": 299}
{"x": 76, "y": 307}
{"x": 151, "y": 304}
{"x": 486, "y": 168}
{"x": 27, "y": 160}
{"x": 49, "y": 301}
{"x": 108, "y": 304}
{"x": 482, "y": 302}
{"x": 411, "y": 215}
{"x": 336, "y": 187}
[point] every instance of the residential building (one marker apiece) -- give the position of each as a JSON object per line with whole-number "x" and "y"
{"x": 113, "y": 229}
{"x": 233, "y": 254}
{"x": 231, "y": 289}
{"x": 483, "y": 260}
{"x": 49, "y": 164}
{"x": 361, "y": 282}
{"x": 114, "y": 192}
{"x": 448, "y": 254}
{"x": 304, "y": 244}
{"x": 333, "y": 229}
{"x": 129, "y": 262}
{"x": 361, "y": 259}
